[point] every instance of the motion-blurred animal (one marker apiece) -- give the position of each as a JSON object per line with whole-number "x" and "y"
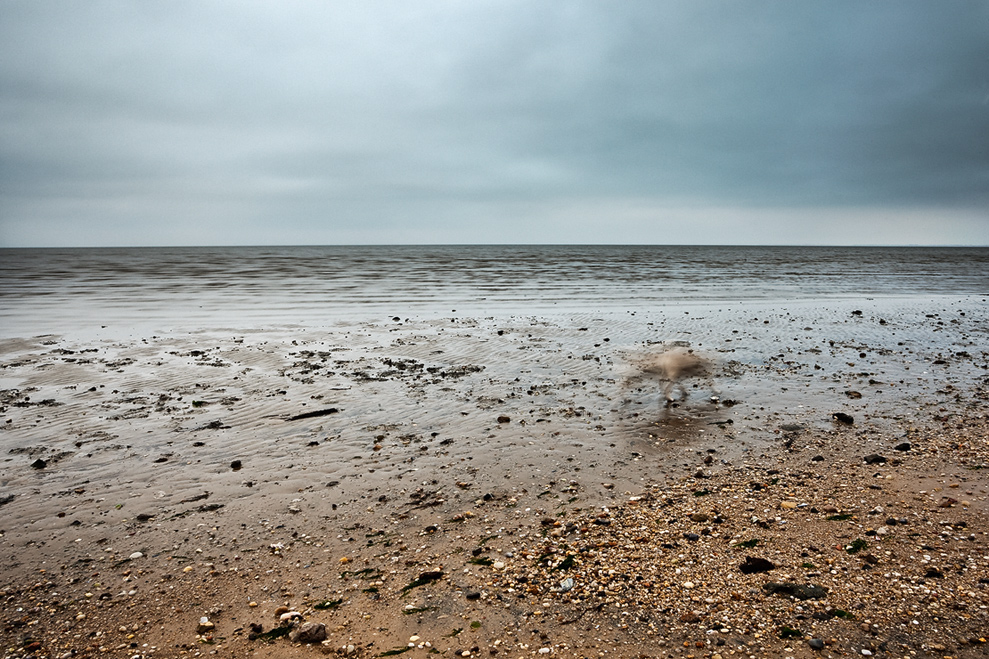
{"x": 673, "y": 367}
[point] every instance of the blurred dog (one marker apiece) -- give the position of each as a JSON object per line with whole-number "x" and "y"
{"x": 673, "y": 367}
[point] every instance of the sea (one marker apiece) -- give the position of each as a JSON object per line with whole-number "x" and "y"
{"x": 134, "y": 290}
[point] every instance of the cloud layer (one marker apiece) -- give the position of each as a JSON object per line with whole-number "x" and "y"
{"x": 392, "y": 122}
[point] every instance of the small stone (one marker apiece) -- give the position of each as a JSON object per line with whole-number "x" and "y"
{"x": 904, "y": 446}
{"x": 699, "y": 517}
{"x": 788, "y": 505}
{"x": 498, "y": 565}
{"x": 236, "y": 465}
{"x": 291, "y": 615}
{"x": 205, "y": 626}
{"x": 39, "y": 464}
{"x": 841, "y": 417}
{"x": 136, "y": 555}
{"x": 688, "y": 584}
{"x": 874, "y": 459}
{"x": 816, "y": 644}
{"x": 504, "y": 419}
{"x": 310, "y": 632}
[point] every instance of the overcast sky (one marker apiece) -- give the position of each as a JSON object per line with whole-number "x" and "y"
{"x": 722, "y": 122}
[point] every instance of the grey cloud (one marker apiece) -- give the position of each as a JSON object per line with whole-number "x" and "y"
{"x": 395, "y": 119}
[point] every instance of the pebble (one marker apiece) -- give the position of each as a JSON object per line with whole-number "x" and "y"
{"x": 310, "y": 632}
{"x": 136, "y": 555}
{"x": 816, "y": 644}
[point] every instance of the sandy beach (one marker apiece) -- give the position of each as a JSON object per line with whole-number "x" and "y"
{"x": 501, "y": 486}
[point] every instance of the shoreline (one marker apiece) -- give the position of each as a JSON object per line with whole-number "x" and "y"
{"x": 500, "y": 440}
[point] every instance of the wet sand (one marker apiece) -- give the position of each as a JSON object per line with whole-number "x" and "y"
{"x": 546, "y": 501}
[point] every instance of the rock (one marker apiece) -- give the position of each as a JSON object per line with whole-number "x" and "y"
{"x": 205, "y": 626}
{"x": 39, "y": 464}
{"x": 699, "y": 517}
{"x": 236, "y": 465}
{"x": 690, "y": 617}
{"x": 874, "y": 459}
{"x": 136, "y": 555}
{"x": 753, "y": 565}
{"x": 799, "y": 591}
{"x": 504, "y": 419}
{"x": 473, "y": 595}
{"x": 816, "y": 644}
{"x": 904, "y": 446}
{"x": 841, "y": 417}
{"x": 310, "y": 632}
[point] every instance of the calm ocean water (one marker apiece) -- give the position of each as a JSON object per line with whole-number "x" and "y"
{"x": 162, "y": 289}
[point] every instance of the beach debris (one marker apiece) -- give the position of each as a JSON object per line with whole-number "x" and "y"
{"x": 289, "y": 617}
{"x": 314, "y": 414}
{"x": 799, "y": 591}
{"x": 236, "y": 465}
{"x": 841, "y": 417}
{"x": 423, "y": 579}
{"x": 753, "y": 565}
{"x": 205, "y": 626}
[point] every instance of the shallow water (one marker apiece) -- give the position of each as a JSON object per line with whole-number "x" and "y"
{"x": 115, "y": 292}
